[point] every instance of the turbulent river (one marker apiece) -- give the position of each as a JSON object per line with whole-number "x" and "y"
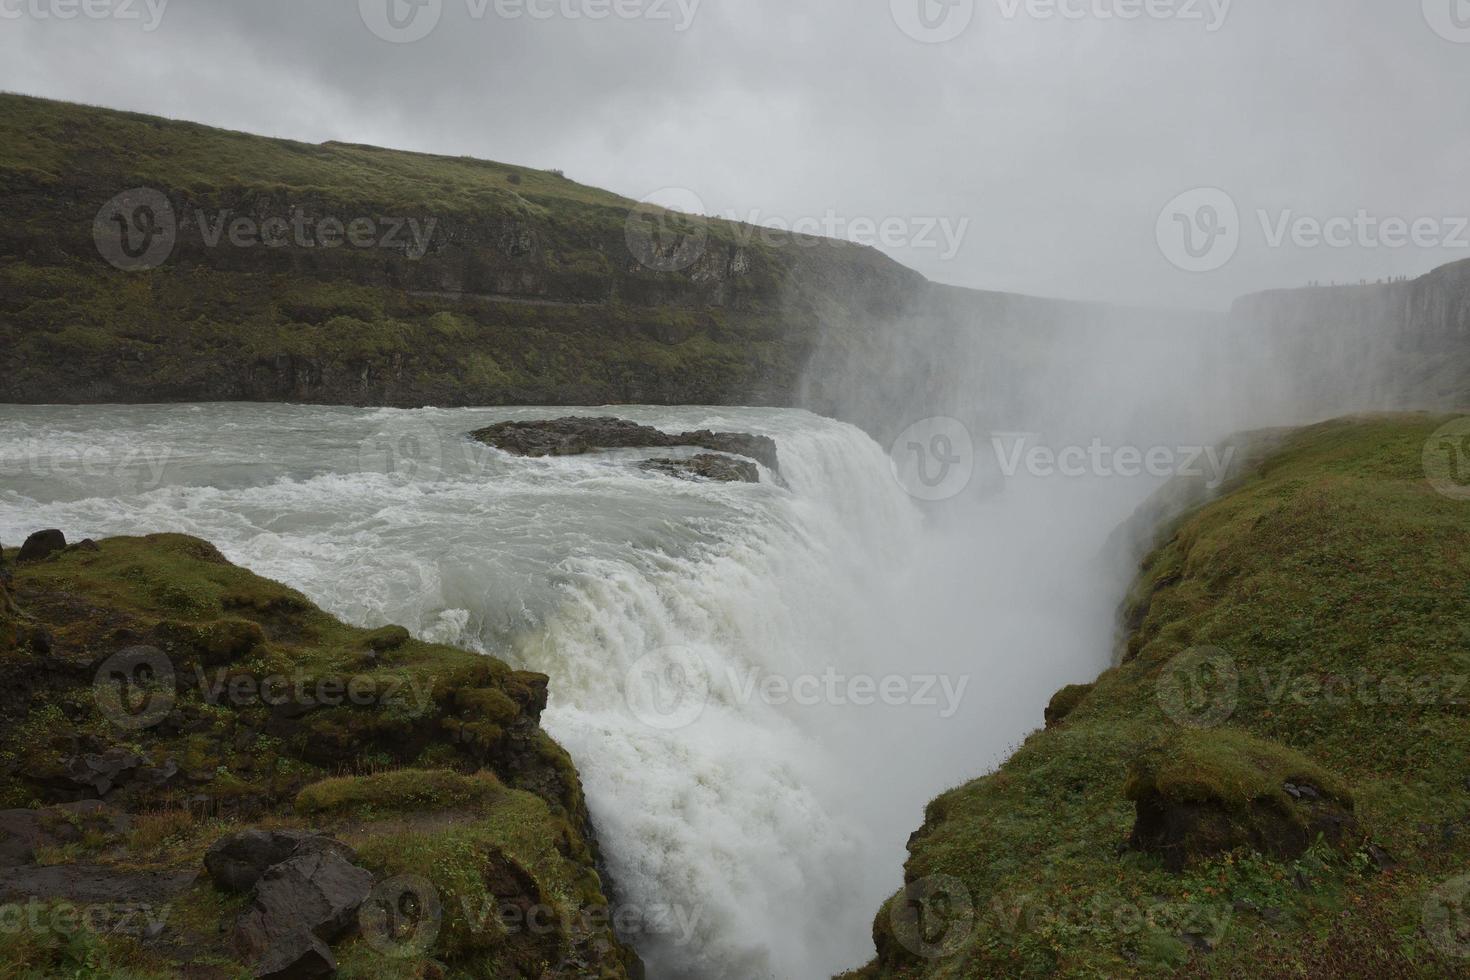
{"x": 761, "y": 685}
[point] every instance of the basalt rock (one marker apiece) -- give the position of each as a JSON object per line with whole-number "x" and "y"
{"x": 706, "y": 466}
{"x": 41, "y": 545}
{"x": 578, "y": 436}
{"x": 237, "y": 862}
{"x": 297, "y": 908}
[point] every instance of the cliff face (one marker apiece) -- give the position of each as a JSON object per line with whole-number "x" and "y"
{"x": 239, "y": 267}
{"x": 1405, "y": 344}
{"x": 146, "y": 260}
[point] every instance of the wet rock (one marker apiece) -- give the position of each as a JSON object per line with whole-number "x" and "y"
{"x": 236, "y": 862}
{"x": 90, "y": 883}
{"x": 41, "y": 545}
{"x": 103, "y": 772}
{"x": 577, "y": 436}
{"x": 706, "y": 466}
{"x": 297, "y": 908}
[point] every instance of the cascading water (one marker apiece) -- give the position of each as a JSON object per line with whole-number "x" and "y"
{"x": 744, "y": 839}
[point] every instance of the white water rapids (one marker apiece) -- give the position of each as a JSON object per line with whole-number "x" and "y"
{"x": 773, "y": 823}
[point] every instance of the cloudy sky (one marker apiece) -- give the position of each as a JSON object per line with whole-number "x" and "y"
{"x": 1158, "y": 152}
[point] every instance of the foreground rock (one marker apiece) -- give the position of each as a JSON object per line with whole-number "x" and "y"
{"x": 1202, "y": 795}
{"x": 184, "y": 716}
{"x": 578, "y": 436}
{"x": 705, "y": 466}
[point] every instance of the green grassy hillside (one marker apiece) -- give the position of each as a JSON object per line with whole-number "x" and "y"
{"x": 469, "y": 282}
{"x": 1275, "y": 780}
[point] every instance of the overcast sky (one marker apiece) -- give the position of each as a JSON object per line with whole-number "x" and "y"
{"x": 998, "y": 144}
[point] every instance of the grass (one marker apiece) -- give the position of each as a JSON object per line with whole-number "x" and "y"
{"x": 1333, "y": 561}
{"x": 530, "y": 293}
{"x": 427, "y": 759}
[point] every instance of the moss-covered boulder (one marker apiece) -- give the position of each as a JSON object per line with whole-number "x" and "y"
{"x": 1206, "y": 793}
{"x": 1064, "y": 702}
{"x": 193, "y": 700}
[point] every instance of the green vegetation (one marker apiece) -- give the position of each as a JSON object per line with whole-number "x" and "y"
{"x": 1311, "y": 627}
{"x": 529, "y": 289}
{"x": 427, "y": 760}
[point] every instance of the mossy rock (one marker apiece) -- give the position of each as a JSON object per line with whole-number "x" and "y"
{"x": 1206, "y": 793}
{"x": 267, "y": 717}
{"x": 1064, "y": 702}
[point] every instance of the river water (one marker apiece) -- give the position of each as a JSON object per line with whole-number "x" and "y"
{"x": 761, "y": 685}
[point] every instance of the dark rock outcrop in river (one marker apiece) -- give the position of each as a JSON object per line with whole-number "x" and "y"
{"x": 577, "y": 436}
